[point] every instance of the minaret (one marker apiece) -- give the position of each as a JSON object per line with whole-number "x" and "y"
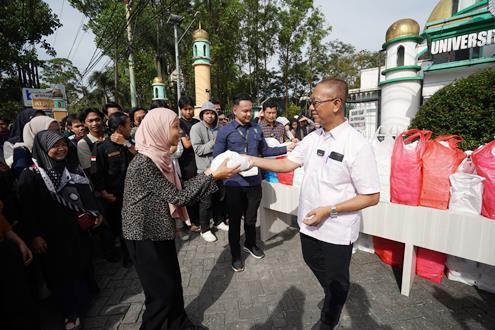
{"x": 401, "y": 88}
{"x": 201, "y": 63}
{"x": 159, "y": 92}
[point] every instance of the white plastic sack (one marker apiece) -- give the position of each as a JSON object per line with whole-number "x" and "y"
{"x": 235, "y": 160}
{"x": 467, "y": 165}
{"x": 487, "y": 278}
{"x": 383, "y": 155}
{"x": 466, "y": 193}
{"x": 365, "y": 243}
{"x": 463, "y": 270}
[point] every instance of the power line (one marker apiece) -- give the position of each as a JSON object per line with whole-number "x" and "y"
{"x": 77, "y": 35}
{"x": 59, "y": 15}
{"x": 135, "y": 13}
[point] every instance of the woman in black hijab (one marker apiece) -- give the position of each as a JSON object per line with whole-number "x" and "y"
{"x": 59, "y": 209}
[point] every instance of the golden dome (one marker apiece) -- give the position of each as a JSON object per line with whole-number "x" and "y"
{"x": 158, "y": 80}
{"x": 442, "y": 10}
{"x": 200, "y": 34}
{"x": 401, "y": 28}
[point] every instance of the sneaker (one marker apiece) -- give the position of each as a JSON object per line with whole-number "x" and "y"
{"x": 223, "y": 226}
{"x": 208, "y": 236}
{"x": 238, "y": 265}
{"x": 183, "y": 236}
{"x": 255, "y": 252}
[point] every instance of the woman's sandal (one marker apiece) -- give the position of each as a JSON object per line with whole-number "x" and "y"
{"x": 73, "y": 323}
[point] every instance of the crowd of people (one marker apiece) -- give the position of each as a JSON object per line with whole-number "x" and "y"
{"x": 123, "y": 185}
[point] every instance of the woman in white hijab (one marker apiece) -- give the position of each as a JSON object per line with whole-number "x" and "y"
{"x": 36, "y": 125}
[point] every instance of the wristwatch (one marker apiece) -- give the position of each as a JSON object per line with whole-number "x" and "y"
{"x": 127, "y": 144}
{"x": 333, "y": 212}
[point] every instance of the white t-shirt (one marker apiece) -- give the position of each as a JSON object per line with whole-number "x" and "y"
{"x": 338, "y": 165}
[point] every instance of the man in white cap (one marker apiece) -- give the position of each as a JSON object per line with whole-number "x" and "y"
{"x": 203, "y": 136}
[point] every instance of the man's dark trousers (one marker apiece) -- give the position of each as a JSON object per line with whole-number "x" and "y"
{"x": 242, "y": 201}
{"x": 330, "y": 264}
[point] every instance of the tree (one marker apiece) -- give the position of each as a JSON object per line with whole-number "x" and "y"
{"x": 62, "y": 71}
{"x": 465, "y": 107}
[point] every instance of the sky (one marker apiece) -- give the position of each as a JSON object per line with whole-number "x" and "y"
{"x": 362, "y": 23}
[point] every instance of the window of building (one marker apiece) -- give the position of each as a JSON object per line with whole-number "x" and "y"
{"x": 400, "y": 56}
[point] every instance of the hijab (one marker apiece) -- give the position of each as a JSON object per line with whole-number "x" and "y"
{"x": 63, "y": 178}
{"x": 22, "y": 119}
{"x": 36, "y": 125}
{"x": 153, "y": 141}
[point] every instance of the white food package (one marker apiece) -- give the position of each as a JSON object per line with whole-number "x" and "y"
{"x": 383, "y": 155}
{"x": 466, "y": 193}
{"x": 463, "y": 270}
{"x": 234, "y": 160}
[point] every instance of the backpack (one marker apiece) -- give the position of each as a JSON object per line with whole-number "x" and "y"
{"x": 93, "y": 146}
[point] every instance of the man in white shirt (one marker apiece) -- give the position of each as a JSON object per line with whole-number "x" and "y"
{"x": 340, "y": 179}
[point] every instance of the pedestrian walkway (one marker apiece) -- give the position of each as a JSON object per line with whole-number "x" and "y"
{"x": 279, "y": 292}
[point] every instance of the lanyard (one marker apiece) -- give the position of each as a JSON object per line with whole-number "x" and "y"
{"x": 245, "y": 137}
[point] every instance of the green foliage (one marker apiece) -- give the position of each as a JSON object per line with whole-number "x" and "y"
{"x": 466, "y": 108}
{"x": 62, "y": 71}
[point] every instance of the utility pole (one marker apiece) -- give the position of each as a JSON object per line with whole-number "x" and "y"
{"x": 132, "y": 79}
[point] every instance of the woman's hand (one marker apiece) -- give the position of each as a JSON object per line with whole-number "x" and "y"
{"x": 27, "y": 255}
{"x": 223, "y": 172}
{"x": 39, "y": 245}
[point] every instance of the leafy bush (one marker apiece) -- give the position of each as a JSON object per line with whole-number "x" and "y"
{"x": 465, "y": 107}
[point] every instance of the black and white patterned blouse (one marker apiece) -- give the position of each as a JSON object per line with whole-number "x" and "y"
{"x": 145, "y": 213}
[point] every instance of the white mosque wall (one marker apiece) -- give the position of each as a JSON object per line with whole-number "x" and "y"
{"x": 399, "y": 104}
{"x": 369, "y": 78}
{"x": 436, "y": 80}
{"x": 401, "y": 74}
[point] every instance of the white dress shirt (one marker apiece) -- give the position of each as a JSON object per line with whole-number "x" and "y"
{"x": 338, "y": 165}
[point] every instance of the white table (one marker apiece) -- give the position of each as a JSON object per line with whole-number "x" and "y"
{"x": 467, "y": 236}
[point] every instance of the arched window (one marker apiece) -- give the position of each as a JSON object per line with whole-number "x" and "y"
{"x": 195, "y": 50}
{"x": 156, "y": 92}
{"x": 400, "y": 56}
{"x": 204, "y": 51}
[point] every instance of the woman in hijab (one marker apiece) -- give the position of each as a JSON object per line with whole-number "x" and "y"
{"x": 21, "y": 120}
{"x": 154, "y": 197}
{"x": 18, "y": 155}
{"x": 59, "y": 210}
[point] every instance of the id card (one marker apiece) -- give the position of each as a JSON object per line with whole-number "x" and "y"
{"x": 251, "y": 172}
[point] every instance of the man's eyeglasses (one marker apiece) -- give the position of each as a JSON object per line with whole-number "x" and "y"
{"x": 223, "y": 119}
{"x": 316, "y": 103}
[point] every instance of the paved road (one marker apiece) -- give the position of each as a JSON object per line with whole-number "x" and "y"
{"x": 279, "y": 292}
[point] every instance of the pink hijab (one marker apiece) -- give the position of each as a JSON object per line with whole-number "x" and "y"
{"x": 152, "y": 140}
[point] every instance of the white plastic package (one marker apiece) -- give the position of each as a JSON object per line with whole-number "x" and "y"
{"x": 234, "y": 160}
{"x": 466, "y": 193}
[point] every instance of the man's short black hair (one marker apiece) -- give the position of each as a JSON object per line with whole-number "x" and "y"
{"x": 5, "y": 120}
{"x": 111, "y": 105}
{"x": 216, "y": 100}
{"x": 85, "y": 112}
{"x": 242, "y": 97}
{"x": 270, "y": 103}
{"x": 158, "y": 104}
{"x": 115, "y": 120}
{"x": 185, "y": 101}
{"x": 134, "y": 110}
{"x": 71, "y": 118}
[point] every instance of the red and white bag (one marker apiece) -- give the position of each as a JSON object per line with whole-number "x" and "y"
{"x": 484, "y": 162}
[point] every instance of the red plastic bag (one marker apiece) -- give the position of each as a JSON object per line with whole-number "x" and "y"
{"x": 439, "y": 162}
{"x": 285, "y": 178}
{"x": 406, "y": 168}
{"x": 390, "y": 252}
{"x": 430, "y": 264}
{"x": 484, "y": 162}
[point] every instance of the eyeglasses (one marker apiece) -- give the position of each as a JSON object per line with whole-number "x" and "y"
{"x": 316, "y": 103}
{"x": 223, "y": 119}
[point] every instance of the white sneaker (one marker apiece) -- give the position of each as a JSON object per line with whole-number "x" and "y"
{"x": 208, "y": 236}
{"x": 223, "y": 226}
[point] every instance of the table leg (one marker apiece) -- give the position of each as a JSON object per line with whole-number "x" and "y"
{"x": 408, "y": 269}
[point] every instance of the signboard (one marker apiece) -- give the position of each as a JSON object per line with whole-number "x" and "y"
{"x": 465, "y": 41}
{"x": 53, "y": 92}
{"x": 42, "y": 103}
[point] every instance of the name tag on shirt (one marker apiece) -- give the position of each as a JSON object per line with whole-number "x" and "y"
{"x": 336, "y": 156}
{"x": 320, "y": 152}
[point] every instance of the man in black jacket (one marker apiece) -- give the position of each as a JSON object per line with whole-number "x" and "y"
{"x": 110, "y": 169}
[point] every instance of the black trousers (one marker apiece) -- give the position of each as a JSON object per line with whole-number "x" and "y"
{"x": 212, "y": 206}
{"x": 113, "y": 214}
{"x": 242, "y": 201}
{"x": 17, "y": 307}
{"x": 158, "y": 270}
{"x": 330, "y": 264}
{"x": 189, "y": 171}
